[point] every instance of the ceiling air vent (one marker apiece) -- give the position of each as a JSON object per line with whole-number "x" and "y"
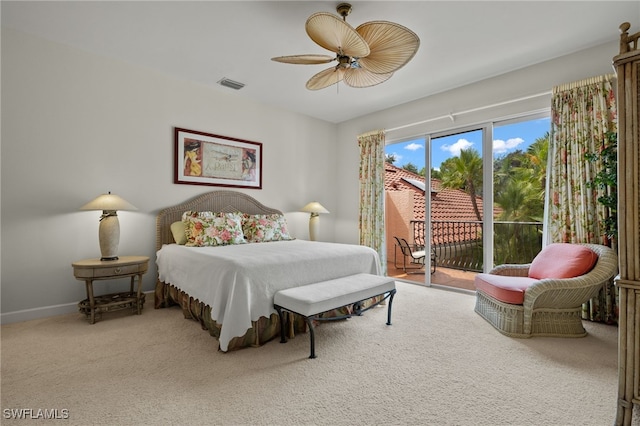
{"x": 231, "y": 84}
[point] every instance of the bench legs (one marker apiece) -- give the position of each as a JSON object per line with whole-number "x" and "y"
{"x": 390, "y": 296}
{"x": 309, "y": 319}
{"x": 312, "y": 337}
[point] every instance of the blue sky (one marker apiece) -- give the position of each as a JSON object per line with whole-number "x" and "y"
{"x": 506, "y": 139}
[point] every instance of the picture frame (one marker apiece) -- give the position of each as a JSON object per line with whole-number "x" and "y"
{"x": 209, "y": 159}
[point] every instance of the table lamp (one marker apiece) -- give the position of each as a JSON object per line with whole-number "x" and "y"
{"x": 109, "y": 230}
{"x": 315, "y": 208}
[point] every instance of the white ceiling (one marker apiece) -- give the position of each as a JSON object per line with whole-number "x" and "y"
{"x": 204, "y": 41}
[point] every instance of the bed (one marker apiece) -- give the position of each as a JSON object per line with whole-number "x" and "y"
{"x": 229, "y": 289}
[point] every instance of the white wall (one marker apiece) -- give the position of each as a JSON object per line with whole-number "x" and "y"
{"x": 523, "y": 83}
{"x": 75, "y": 125}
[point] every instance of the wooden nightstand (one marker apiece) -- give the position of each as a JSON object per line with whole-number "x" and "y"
{"x": 90, "y": 270}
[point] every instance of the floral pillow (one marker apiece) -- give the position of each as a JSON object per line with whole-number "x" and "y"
{"x": 204, "y": 229}
{"x": 260, "y": 228}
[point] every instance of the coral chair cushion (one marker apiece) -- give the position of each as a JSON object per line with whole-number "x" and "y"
{"x": 562, "y": 260}
{"x": 504, "y": 288}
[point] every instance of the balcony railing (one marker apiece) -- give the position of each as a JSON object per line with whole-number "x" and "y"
{"x": 458, "y": 244}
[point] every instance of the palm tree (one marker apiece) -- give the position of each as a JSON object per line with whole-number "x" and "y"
{"x": 519, "y": 201}
{"x": 464, "y": 172}
{"x": 519, "y": 180}
{"x": 537, "y": 154}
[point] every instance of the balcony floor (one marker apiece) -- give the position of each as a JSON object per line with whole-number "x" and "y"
{"x": 443, "y": 276}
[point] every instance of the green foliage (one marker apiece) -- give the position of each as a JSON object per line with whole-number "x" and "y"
{"x": 519, "y": 182}
{"x": 519, "y": 188}
{"x": 390, "y": 158}
{"x": 607, "y": 180}
{"x": 464, "y": 172}
{"x": 410, "y": 167}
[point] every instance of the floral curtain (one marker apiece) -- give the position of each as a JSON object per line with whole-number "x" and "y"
{"x": 581, "y": 113}
{"x": 371, "y": 213}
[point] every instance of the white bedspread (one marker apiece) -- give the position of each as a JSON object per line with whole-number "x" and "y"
{"x": 239, "y": 281}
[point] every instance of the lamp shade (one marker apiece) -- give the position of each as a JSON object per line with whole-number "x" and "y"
{"x": 314, "y": 207}
{"x": 108, "y": 202}
{"x": 109, "y": 230}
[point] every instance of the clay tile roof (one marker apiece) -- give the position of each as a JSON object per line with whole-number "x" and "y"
{"x": 446, "y": 204}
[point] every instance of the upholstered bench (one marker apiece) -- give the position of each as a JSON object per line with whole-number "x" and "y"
{"x": 545, "y": 297}
{"x": 311, "y": 300}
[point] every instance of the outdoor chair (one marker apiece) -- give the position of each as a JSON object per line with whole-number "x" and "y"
{"x": 545, "y": 297}
{"x": 416, "y": 255}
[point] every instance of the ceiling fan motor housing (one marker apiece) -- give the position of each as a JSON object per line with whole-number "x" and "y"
{"x": 344, "y": 61}
{"x": 344, "y": 9}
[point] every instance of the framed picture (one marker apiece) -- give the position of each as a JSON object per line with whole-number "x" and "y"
{"x": 208, "y": 159}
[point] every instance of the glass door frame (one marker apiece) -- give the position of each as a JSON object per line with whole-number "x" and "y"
{"x": 487, "y": 188}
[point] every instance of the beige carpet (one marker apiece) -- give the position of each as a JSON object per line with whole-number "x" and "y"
{"x": 438, "y": 364}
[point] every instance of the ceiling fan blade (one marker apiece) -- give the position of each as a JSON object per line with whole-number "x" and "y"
{"x": 360, "y": 77}
{"x": 304, "y": 59}
{"x": 332, "y": 33}
{"x": 392, "y": 46}
{"x": 326, "y": 78}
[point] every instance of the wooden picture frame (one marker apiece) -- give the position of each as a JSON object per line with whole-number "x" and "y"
{"x": 208, "y": 159}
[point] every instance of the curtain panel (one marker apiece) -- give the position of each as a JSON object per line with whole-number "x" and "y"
{"x": 581, "y": 115}
{"x": 371, "y": 211}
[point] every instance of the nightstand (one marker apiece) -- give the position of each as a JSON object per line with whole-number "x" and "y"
{"x": 90, "y": 270}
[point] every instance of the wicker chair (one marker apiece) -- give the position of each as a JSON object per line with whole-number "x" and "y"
{"x": 551, "y": 307}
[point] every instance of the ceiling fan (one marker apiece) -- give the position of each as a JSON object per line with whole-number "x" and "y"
{"x": 366, "y": 56}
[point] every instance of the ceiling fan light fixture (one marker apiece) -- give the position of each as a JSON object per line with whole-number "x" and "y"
{"x": 230, "y": 83}
{"x": 344, "y": 62}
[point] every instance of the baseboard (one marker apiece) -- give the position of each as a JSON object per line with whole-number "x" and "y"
{"x": 44, "y": 312}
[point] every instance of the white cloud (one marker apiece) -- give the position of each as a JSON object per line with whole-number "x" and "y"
{"x": 500, "y": 146}
{"x": 457, "y": 147}
{"x": 414, "y": 146}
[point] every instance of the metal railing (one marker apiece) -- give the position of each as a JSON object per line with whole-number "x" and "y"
{"x": 458, "y": 244}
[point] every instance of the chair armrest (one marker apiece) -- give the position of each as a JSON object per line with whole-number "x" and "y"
{"x": 512, "y": 270}
{"x": 562, "y": 293}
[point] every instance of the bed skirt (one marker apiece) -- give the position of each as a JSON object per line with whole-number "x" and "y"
{"x": 262, "y": 330}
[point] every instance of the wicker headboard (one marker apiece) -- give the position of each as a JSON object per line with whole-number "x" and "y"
{"x": 215, "y": 201}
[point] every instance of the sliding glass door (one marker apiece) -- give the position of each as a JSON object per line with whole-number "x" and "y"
{"x": 456, "y": 207}
{"x": 467, "y": 199}
{"x": 434, "y": 201}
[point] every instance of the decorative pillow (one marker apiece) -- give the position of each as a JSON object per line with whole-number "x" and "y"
{"x": 562, "y": 260}
{"x": 212, "y": 229}
{"x": 261, "y": 228}
{"x": 178, "y": 232}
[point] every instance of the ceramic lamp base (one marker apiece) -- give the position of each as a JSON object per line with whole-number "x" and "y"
{"x": 314, "y": 227}
{"x": 109, "y": 234}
